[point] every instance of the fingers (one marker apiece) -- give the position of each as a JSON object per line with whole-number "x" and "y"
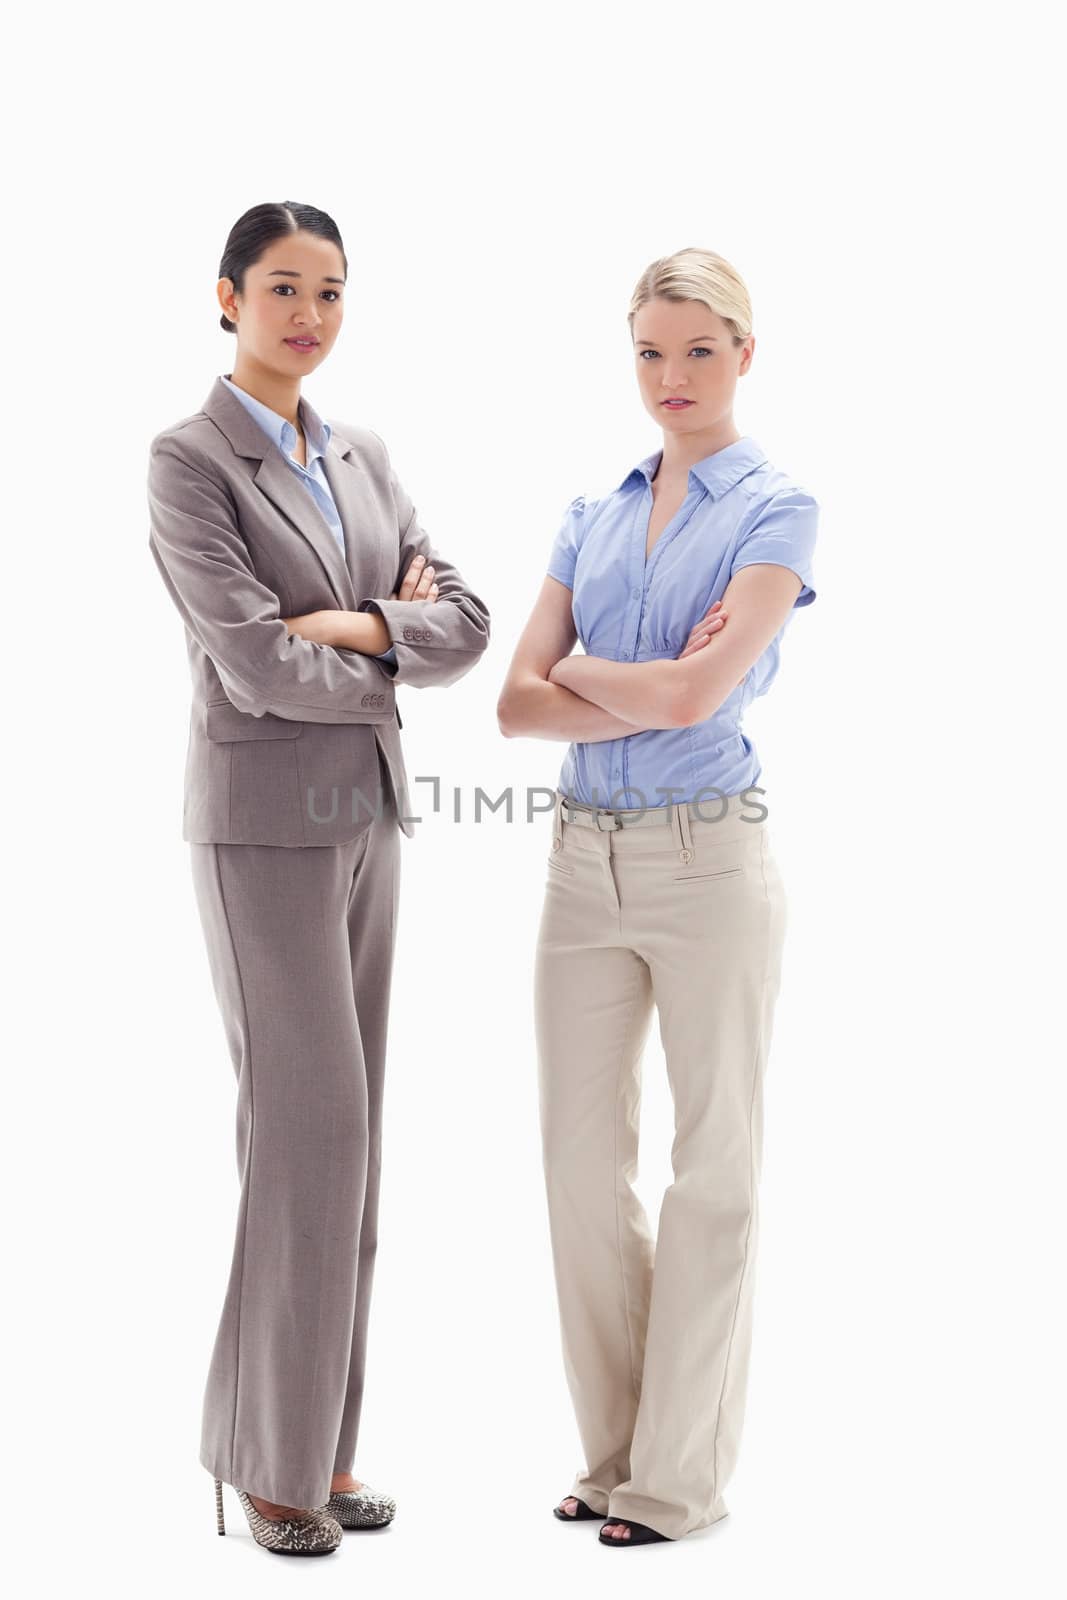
{"x": 708, "y": 623}
{"x": 418, "y": 582}
{"x": 410, "y": 579}
{"x": 703, "y": 631}
{"x": 708, "y": 617}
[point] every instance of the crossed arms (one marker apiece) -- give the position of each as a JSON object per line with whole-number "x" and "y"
{"x": 319, "y": 667}
{"x": 551, "y": 694}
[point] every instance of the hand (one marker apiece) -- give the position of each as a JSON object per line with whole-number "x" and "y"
{"x": 704, "y": 630}
{"x": 417, "y": 582}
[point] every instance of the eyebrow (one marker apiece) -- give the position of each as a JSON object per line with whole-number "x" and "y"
{"x": 280, "y": 272}
{"x": 699, "y": 338}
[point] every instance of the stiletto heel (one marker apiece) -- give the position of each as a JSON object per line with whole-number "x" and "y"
{"x": 312, "y": 1533}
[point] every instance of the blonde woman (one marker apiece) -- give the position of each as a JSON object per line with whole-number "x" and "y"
{"x": 662, "y": 890}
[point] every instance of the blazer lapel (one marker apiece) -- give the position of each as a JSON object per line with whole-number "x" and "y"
{"x": 279, "y": 484}
{"x": 365, "y": 549}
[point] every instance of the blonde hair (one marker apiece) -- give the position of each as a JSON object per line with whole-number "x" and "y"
{"x": 694, "y": 274}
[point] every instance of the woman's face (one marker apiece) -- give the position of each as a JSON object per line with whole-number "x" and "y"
{"x": 295, "y": 290}
{"x": 684, "y": 350}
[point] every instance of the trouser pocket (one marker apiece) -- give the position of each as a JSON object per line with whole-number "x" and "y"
{"x": 701, "y": 877}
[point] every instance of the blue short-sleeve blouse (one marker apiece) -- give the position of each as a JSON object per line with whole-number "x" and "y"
{"x": 739, "y": 510}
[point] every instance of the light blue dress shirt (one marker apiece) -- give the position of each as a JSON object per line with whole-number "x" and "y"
{"x": 317, "y": 434}
{"x": 738, "y": 510}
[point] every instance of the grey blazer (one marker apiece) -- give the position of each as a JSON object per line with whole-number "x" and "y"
{"x": 282, "y": 731}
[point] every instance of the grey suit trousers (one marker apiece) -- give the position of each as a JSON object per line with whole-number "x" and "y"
{"x": 300, "y": 944}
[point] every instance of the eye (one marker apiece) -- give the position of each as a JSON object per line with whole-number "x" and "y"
{"x": 702, "y": 349}
{"x": 335, "y": 292}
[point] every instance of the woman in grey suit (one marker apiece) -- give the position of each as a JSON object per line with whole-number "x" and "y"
{"x": 308, "y": 592}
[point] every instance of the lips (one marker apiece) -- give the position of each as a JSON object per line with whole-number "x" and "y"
{"x": 303, "y": 344}
{"x": 678, "y": 404}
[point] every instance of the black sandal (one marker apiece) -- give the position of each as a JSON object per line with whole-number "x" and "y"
{"x": 584, "y": 1513}
{"x": 639, "y": 1533}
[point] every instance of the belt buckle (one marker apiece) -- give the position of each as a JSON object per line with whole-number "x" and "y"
{"x": 608, "y": 827}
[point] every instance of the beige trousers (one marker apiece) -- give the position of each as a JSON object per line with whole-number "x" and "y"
{"x": 689, "y": 914}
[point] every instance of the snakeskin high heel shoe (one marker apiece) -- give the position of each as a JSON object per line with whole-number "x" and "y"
{"x": 312, "y": 1533}
{"x": 360, "y": 1508}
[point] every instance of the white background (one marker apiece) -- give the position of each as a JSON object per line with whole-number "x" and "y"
{"x": 885, "y": 184}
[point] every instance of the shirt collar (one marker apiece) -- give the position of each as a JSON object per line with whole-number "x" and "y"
{"x": 717, "y": 472}
{"x": 316, "y": 431}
